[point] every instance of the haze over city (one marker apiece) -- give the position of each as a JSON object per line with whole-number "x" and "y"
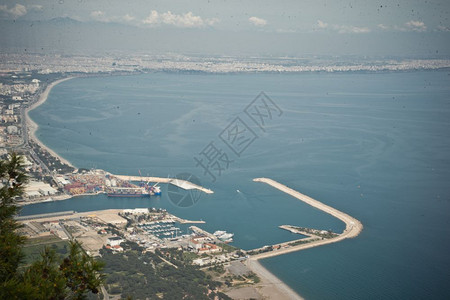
{"x": 209, "y": 27}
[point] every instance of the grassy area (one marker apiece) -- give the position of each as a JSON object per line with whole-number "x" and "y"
{"x": 190, "y": 256}
{"x": 253, "y": 277}
{"x": 300, "y": 242}
{"x": 218, "y": 269}
{"x": 227, "y": 248}
{"x": 33, "y": 252}
{"x": 48, "y": 239}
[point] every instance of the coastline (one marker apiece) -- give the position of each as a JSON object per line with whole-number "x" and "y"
{"x": 271, "y": 287}
{"x": 59, "y": 198}
{"x": 33, "y": 126}
{"x": 53, "y": 199}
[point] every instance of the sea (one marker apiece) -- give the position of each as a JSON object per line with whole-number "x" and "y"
{"x": 372, "y": 144}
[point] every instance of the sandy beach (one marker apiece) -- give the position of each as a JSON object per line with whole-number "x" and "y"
{"x": 270, "y": 286}
{"x": 33, "y": 127}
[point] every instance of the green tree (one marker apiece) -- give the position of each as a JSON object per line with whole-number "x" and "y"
{"x": 47, "y": 278}
{"x": 12, "y": 179}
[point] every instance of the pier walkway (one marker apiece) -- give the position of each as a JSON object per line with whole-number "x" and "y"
{"x": 184, "y": 184}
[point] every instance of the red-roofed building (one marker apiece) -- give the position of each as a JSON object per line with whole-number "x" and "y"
{"x": 209, "y": 248}
{"x": 117, "y": 248}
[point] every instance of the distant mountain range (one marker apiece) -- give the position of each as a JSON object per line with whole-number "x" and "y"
{"x": 63, "y": 20}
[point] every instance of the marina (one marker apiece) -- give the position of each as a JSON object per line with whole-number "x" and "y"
{"x": 161, "y": 229}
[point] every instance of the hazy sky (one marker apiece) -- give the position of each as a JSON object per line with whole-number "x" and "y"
{"x": 296, "y": 26}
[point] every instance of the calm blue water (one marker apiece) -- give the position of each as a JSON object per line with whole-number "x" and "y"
{"x": 373, "y": 145}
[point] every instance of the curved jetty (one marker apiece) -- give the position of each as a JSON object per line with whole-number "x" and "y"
{"x": 353, "y": 227}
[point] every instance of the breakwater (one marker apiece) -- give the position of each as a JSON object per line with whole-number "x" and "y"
{"x": 353, "y": 227}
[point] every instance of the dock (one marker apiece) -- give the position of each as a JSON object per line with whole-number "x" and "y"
{"x": 297, "y": 231}
{"x": 353, "y": 227}
{"x": 202, "y": 232}
{"x": 184, "y": 221}
{"x": 184, "y": 184}
{"x": 142, "y": 178}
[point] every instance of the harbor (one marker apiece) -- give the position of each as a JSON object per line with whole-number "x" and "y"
{"x": 97, "y": 181}
{"x": 161, "y": 229}
{"x": 353, "y": 227}
{"x": 319, "y": 176}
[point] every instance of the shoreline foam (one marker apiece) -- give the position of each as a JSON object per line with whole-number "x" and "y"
{"x": 32, "y": 126}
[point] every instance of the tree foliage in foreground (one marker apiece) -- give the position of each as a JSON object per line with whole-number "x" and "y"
{"x": 49, "y": 277}
{"x": 146, "y": 276}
